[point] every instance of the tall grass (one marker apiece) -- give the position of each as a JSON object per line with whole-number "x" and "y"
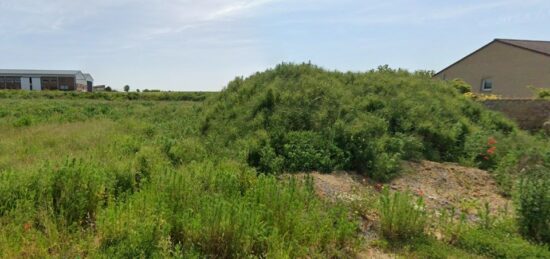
{"x": 402, "y": 217}
{"x": 120, "y": 179}
{"x": 109, "y": 96}
{"x": 241, "y": 216}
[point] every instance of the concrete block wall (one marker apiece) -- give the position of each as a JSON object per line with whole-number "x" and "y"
{"x": 529, "y": 114}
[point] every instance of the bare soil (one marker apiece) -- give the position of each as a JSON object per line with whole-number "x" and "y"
{"x": 441, "y": 185}
{"x": 450, "y": 186}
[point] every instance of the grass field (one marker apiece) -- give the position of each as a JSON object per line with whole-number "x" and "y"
{"x": 114, "y": 176}
{"x": 134, "y": 178}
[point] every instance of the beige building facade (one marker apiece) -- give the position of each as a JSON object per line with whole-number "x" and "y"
{"x": 505, "y": 68}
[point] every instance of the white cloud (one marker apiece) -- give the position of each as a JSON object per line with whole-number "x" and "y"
{"x": 155, "y": 16}
{"x": 237, "y": 7}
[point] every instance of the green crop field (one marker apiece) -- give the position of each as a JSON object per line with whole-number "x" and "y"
{"x": 194, "y": 175}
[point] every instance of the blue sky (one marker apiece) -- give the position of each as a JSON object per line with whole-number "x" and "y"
{"x": 201, "y": 45}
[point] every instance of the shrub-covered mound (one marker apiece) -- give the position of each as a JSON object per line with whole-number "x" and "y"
{"x": 302, "y": 118}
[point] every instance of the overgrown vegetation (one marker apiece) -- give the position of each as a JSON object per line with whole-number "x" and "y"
{"x": 540, "y": 93}
{"x": 91, "y": 178}
{"x": 301, "y": 118}
{"x": 167, "y": 175}
{"x": 401, "y": 217}
{"x": 108, "y": 95}
{"x": 534, "y": 205}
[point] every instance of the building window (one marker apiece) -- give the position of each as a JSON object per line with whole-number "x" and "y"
{"x": 487, "y": 85}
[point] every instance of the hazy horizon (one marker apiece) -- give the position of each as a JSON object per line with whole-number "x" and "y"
{"x": 184, "y": 45}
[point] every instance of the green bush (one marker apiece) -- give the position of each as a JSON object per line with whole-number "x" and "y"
{"x": 402, "y": 218}
{"x": 375, "y": 119}
{"x": 23, "y": 122}
{"x": 534, "y": 205}
{"x": 265, "y": 159}
{"x": 461, "y": 86}
{"x": 307, "y": 151}
{"x": 541, "y": 93}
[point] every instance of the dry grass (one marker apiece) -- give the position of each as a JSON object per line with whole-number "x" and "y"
{"x": 28, "y": 147}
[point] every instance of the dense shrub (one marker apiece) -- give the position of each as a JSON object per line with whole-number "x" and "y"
{"x": 541, "y": 93}
{"x": 306, "y": 151}
{"x": 534, "y": 205}
{"x": 461, "y": 86}
{"x": 366, "y": 122}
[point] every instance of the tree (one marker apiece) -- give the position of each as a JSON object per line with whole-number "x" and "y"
{"x": 137, "y": 90}
{"x": 108, "y": 89}
{"x": 126, "y": 88}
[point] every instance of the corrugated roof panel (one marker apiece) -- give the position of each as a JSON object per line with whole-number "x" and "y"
{"x": 38, "y": 72}
{"x": 88, "y": 77}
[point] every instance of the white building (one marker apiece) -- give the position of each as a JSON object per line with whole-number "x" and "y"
{"x": 37, "y": 80}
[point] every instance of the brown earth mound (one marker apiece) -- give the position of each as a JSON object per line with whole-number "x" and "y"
{"x": 451, "y": 186}
{"x": 442, "y": 185}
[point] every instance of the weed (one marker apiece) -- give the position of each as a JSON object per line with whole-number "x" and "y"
{"x": 402, "y": 217}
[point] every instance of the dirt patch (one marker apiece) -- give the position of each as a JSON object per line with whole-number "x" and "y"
{"x": 452, "y": 186}
{"x": 442, "y": 185}
{"x": 375, "y": 254}
{"x": 340, "y": 185}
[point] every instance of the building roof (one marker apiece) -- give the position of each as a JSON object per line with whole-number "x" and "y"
{"x": 88, "y": 77}
{"x": 39, "y": 72}
{"x": 542, "y": 47}
{"x": 537, "y": 46}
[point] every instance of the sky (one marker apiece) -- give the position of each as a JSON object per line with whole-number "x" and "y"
{"x": 200, "y": 45}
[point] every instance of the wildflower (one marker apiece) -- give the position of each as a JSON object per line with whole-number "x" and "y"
{"x": 486, "y": 157}
{"x": 420, "y": 192}
{"x": 27, "y": 226}
{"x": 491, "y": 150}
{"x": 492, "y": 141}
